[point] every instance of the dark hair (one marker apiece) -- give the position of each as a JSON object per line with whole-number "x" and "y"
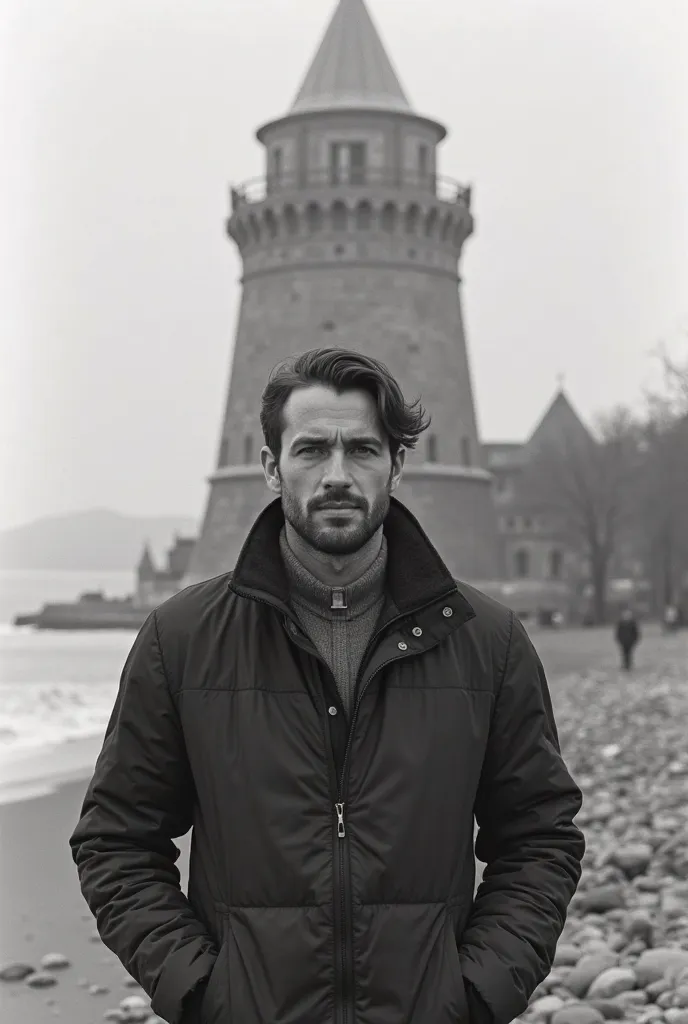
{"x": 342, "y": 370}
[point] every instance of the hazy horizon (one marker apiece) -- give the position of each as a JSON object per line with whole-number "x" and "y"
{"x": 125, "y": 123}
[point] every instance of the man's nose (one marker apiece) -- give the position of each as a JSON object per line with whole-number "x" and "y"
{"x": 336, "y": 470}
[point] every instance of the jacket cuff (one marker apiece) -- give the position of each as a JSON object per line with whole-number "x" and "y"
{"x": 178, "y": 978}
{"x": 478, "y": 1010}
{"x": 193, "y": 1003}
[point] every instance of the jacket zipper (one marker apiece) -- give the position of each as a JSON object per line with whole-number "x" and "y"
{"x": 344, "y": 865}
{"x": 343, "y": 935}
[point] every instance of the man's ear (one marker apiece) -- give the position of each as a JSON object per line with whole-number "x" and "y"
{"x": 271, "y": 470}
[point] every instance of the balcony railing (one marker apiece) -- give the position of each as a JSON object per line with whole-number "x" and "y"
{"x": 256, "y": 190}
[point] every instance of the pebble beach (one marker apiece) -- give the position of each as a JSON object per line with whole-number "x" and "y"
{"x": 623, "y": 955}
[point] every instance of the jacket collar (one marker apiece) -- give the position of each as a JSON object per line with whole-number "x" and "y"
{"x": 416, "y": 574}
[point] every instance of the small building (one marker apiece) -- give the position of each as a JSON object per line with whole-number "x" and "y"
{"x": 535, "y": 547}
{"x": 155, "y": 585}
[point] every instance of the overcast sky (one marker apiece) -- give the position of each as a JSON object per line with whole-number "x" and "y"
{"x": 124, "y": 121}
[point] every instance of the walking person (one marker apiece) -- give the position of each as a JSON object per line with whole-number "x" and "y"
{"x": 627, "y": 637}
{"x": 330, "y": 717}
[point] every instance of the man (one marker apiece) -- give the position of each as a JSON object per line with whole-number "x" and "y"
{"x": 329, "y": 717}
{"x": 627, "y": 636}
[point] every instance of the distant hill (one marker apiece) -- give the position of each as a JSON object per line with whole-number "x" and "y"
{"x": 97, "y": 539}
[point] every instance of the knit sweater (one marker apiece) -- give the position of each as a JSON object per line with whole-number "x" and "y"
{"x": 340, "y": 634}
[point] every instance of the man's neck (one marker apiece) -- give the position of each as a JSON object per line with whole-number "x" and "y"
{"x": 334, "y": 570}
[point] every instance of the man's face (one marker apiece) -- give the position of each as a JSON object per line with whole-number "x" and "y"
{"x": 333, "y": 452}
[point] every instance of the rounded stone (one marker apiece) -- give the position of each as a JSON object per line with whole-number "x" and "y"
{"x": 609, "y": 1009}
{"x": 41, "y": 979}
{"x": 638, "y": 925}
{"x": 566, "y": 955}
{"x": 577, "y": 1013}
{"x": 612, "y": 982}
{"x": 15, "y": 972}
{"x": 546, "y": 1006}
{"x": 54, "y": 962}
{"x": 633, "y": 859}
{"x": 134, "y": 1003}
{"x": 653, "y": 964}
{"x": 602, "y": 898}
{"x": 587, "y": 969}
{"x": 656, "y": 988}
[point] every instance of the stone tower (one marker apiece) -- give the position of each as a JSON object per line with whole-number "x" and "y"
{"x": 351, "y": 238}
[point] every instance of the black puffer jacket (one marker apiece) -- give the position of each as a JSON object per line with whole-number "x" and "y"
{"x": 332, "y": 875}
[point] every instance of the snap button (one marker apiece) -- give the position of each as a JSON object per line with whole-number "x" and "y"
{"x": 332, "y": 710}
{"x": 417, "y": 631}
{"x": 447, "y": 612}
{"x": 402, "y": 646}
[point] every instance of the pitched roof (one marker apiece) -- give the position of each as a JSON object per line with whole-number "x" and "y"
{"x": 560, "y": 423}
{"x": 351, "y": 68}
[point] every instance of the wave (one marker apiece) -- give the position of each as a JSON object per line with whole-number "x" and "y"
{"x": 37, "y": 714}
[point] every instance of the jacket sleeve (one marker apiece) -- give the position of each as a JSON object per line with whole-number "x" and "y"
{"x": 527, "y": 838}
{"x": 139, "y": 799}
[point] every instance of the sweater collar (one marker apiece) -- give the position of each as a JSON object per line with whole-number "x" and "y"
{"x": 416, "y": 576}
{"x": 357, "y": 597}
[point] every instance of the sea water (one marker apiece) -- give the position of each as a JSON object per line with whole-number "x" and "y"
{"x": 56, "y": 686}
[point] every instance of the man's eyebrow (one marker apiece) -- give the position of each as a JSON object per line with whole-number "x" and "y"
{"x": 321, "y": 439}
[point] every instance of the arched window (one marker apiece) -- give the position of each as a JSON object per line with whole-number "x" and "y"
{"x": 314, "y": 218}
{"x": 364, "y": 216}
{"x": 465, "y": 451}
{"x": 522, "y": 564}
{"x": 271, "y": 224}
{"x": 339, "y": 215}
{"x": 254, "y": 228}
{"x": 389, "y": 217}
{"x": 556, "y": 561}
{"x": 291, "y": 220}
{"x": 412, "y": 220}
{"x": 432, "y": 448}
{"x": 248, "y": 449}
{"x": 431, "y": 223}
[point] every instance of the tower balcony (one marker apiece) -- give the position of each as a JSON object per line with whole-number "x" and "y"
{"x": 324, "y": 184}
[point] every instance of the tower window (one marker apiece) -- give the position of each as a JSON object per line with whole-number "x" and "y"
{"x": 277, "y": 164}
{"x": 248, "y": 449}
{"x": 224, "y": 452}
{"x": 389, "y": 217}
{"x": 465, "y": 451}
{"x": 423, "y": 162}
{"x": 347, "y": 163}
{"x": 314, "y": 218}
{"x": 364, "y": 216}
{"x": 340, "y": 217}
{"x": 432, "y": 448}
{"x": 522, "y": 564}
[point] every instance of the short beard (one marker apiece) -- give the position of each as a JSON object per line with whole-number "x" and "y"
{"x": 332, "y": 540}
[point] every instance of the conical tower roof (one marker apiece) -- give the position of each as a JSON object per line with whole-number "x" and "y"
{"x": 146, "y": 568}
{"x": 351, "y": 68}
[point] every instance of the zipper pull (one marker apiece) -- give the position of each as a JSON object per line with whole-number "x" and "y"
{"x": 339, "y": 808}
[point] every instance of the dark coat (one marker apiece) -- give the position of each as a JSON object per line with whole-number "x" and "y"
{"x": 332, "y": 878}
{"x": 627, "y": 633}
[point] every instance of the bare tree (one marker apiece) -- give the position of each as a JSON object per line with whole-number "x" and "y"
{"x": 587, "y": 485}
{"x": 663, "y": 510}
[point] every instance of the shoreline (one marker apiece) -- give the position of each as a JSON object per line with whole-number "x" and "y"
{"x": 35, "y": 773}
